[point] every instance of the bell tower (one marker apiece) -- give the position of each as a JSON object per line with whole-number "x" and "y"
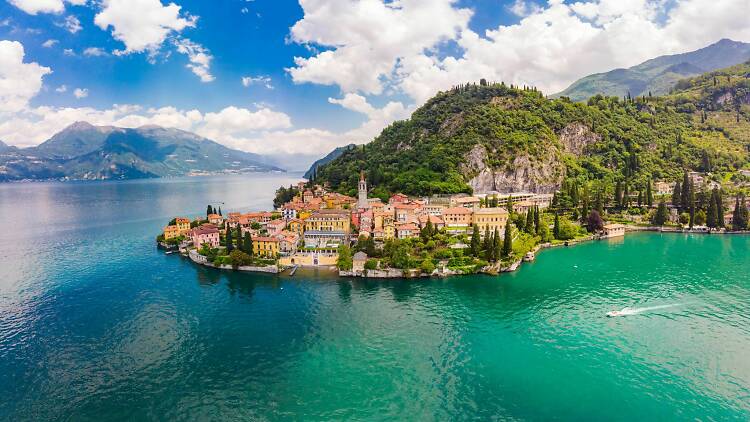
{"x": 362, "y": 199}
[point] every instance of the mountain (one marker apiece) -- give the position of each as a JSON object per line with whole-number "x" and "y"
{"x": 336, "y": 153}
{"x": 491, "y": 137}
{"x": 4, "y": 147}
{"x": 659, "y": 75}
{"x": 84, "y": 151}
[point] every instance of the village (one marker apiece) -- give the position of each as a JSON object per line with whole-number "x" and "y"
{"x": 405, "y": 236}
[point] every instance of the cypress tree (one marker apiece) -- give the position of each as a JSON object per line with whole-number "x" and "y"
{"x": 509, "y": 204}
{"x": 230, "y": 246}
{"x": 649, "y": 194}
{"x": 475, "y": 242}
{"x": 711, "y": 217}
{"x": 239, "y": 237}
{"x": 507, "y": 241}
{"x": 685, "y": 194}
{"x": 496, "y": 251}
{"x": 536, "y": 220}
{"x": 486, "y": 241}
{"x": 219, "y": 211}
{"x": 618, "y": 194}
{"x": 489, "y": 253}
{"x": 625, "y": 196}
{"x": 662, "y": 215}
{"x": 529, "y": 221}
{"x": 676, "y": 194}
{"x": 248, "y": 243}
{"x": 209, "y": 210}
{"x": 556, "y": 228}
{"x": 691, "y": 202}
{"x": 719, "y": 208}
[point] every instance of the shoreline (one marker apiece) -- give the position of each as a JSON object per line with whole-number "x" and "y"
{"x": 411, "y": 274}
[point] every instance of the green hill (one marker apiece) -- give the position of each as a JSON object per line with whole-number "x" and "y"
{"x": 492, "y": 137}
{"x": 659, "y": 75}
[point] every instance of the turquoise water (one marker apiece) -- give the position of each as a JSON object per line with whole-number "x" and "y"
{"x": 96, "y": 324}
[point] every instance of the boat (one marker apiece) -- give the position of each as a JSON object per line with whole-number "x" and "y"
{"x": 622, "y": 312}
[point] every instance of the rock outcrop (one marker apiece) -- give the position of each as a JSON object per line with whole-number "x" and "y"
{"x": 575, "y": 137}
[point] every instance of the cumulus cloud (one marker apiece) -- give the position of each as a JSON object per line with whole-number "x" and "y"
{"x": 370, "y": 45}
{"x": 71, "y": 24}
{"x": 49, "y": 43}
{"x": 81, "y": 93}
{"x": 19, "y": 81}
{"x": 265, "y": 81}
{"x": 199, "y": 57}
{"x": 62, "y": 88}
{"x": 33, "y": 7}
{"x": 142, "y": 25}
{"x": 94, "y": 52}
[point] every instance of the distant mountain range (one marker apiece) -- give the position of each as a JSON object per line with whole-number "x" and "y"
{"x": 336, "y": 153}
{"x": 659, "y": 75}
{"x": 86, "y": 152}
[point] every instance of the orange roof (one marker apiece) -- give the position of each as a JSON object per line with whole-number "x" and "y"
{"x": 407, "y": 226}
{"x": 213, "y": 216}
{"x": 265, "y": 239}
{"x": 182, "y": 220}
{"x": 457, "y": 210}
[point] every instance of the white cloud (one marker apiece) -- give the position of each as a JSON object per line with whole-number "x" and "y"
{"x": 33, "y": 7}
{"x": 71, "y": 24}
{"x": 61, "y": 89}
{"x": 200, "y": 58}
{"x": 142, "y": 25}
{"x": 49, "y": 43}
{"x": 369, "y": 38}
{"x": 94, "y": 52}
{"x": 19, "y": 81}
{"x": 81, "y": 93}
{"x": 373, "y": 47}
{"x": 69, "y": 52}
{"x": 247, "y": 81}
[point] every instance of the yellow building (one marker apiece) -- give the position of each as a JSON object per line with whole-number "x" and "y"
{"x": 266, "y": 246}
{"x": 329, "y": 221}
{"x": 311, "y": 259}
{"x": 296, "y": 225}
{"x": 492, "y": 218}
{"x": 183, "y": 224}
{"x": 171, "y": 232}
{"x": 389, "y": 231}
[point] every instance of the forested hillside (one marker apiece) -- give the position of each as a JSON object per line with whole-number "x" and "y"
{"x": 489, "y": 136}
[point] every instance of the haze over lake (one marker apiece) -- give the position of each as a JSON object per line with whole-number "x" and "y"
{"x": 96, "y": 324}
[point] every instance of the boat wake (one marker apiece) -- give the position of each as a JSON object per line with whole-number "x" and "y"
{"x": 636, "y": 311}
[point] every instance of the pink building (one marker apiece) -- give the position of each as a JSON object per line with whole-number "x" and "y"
{"x": 205, "y": 234}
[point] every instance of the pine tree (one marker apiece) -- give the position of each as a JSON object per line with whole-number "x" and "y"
{"x": 209, "y": 210}
{"x": 496, "y": 248}
{"x": 219, "y": 211}
{"x": 556, "y": 228}
{"x": 719, "y": 208}
{"x": 486, "y": 241}
{"x": 507, "y": 241}
{"x": 537, "y": 223}
{"x": 239, "y": 236}
{"x": 230, "y": 246}
{"x": 475, "y": 241}
{"x": 489, "y": 253}
{"x": 676, "y": 194}
{"x": 649, "y": 195}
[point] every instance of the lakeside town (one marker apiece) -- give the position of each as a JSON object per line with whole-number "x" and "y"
{"x": 440, "y": 235}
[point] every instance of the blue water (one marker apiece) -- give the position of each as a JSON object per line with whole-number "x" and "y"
{"x": 96, "y": 324}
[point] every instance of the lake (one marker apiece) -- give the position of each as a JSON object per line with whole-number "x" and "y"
{"x": 96, "y": 324}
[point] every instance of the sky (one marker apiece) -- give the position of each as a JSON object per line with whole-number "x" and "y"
{"x": 295, "y": 79}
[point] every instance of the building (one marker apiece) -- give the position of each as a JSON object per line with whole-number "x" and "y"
{"x": 275, "y": 227}
{"x": 205, "y": 234}
{"x": 296, "y": 225}
{"x": 266, "y": 246}
{"x": 183, "y": 225}
{"x": 457, "y": 217}
{"x": 329, "y": 220}
{"x": 171, "y": 232}
{"x": 398, "y": 198}
{"x": 663, "y": 188}
{"x": 362, "y": 192}
{"x": 433, "y": 209}
{"x": 215, "y": 219}
{"x": 490, "y": 218}
{"x": 406, "y": 213}
{"x": 318, "y": 258}
{"x": 358, "y": 262}
{"x": 288, "y": 242}
{"x": 436, "y": 221}
{"x": 613, "y": 230}
{"x": 522, "y": 207}
{"x": 406, "y": 231}
{"x": 466, "y": 201}
{"x": 325, "y": 239}
{"x": 728, "y": 219}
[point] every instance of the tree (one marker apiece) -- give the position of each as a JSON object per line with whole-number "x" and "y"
{"x": 685, "y": 193}
{"x": 427, "y": 266}
{"x": 649, "y": 195}
{"x": 230, "y": 246}
{"x": 489, "y": 253}
{"x": 536, "y": 220}
{"x": 509, "y": 204}
{"x": 626, "y": 196}
{"x": 219, "y": 211}
{"x": 662, "y": 214}
{"x": 209, "y": 210}
{"x": 691, "y": 203}
{"x": 676, "y": 194}
{"x": 712, "y": 217}
{"x": 719, "y": 207}
{"x": 556, "y": 228}
{"x": 507, "y": 241}
{"x": 345, "y": 261}
{"x": 496, "y": 251}
{"x": 486, "y": 241}
{"x": 475, "y": 241}
{"x": 594, "y": 222}
{"x": 618, "y": 194}
{"x": 248, "y": 243}
{"x": 740, "y": 214}
{"x": 700, "y": 217}
{"x": 529, "y": 227}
